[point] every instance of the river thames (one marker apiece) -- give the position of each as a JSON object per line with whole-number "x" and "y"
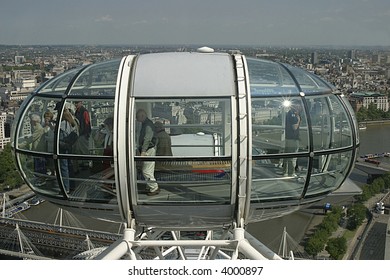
{"x": 374, "y": 139}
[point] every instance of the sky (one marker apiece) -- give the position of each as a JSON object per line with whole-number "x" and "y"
{"x": 201, "y": 22}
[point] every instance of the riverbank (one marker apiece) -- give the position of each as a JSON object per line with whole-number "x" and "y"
{"x": 378, "y": 122}
{"x": 24, "y": 189}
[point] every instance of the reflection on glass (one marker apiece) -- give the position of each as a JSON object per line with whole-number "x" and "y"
{"x": 97, "y": 80}
{"x": 328, "y": 171}
{"x": 274, "y": 121}
{"x": 308, "y": 82}
{"x": 319, "y": 111}
{"x": 342, "y": 129}
{"x": 65, "y": 170}
{"x": 196, "y": 128}
{"x": 59, "y": 84}
{"x": 189, "y": 181}
{"x": 36, "y": 129}
{"x": 269, "y": 78}
{"x": 271, "y": 126}
{"x": 93, "y": 183}
{"x": 38, "y": 174}
{"x": 268, "y": 183}
{"x": 37, "y": 134}
{"x": 355, "y": 124}
{"x": 95, "y": 119}
{"x": 330, "y": 124}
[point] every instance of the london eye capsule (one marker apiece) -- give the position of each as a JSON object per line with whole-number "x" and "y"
{"x": 250, "y": 139}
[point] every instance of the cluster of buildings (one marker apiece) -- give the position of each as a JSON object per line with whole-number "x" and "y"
{"x": 362, "y": 74}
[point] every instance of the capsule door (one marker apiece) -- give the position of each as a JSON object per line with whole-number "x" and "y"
{"x": 178, "y": 134}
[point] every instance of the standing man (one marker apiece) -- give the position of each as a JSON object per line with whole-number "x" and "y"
{"x": 164, "y": 144}
{"x": 108, "y": 147}
{"x": 84, "y": 121}
{"x": 38, "y": 142}
{"x": 147, "y": 147}
{"x": 293, "y": 121}
{"x": 67, "y": 126}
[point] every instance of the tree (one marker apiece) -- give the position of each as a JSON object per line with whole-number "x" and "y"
{"x": 366, "y": 193}
{"x": 361, "y": 115}
{"x": 386, "y": 179}
{"x": 317, "y": 241}
{"x": 378, "y": 185}
{"x": 373, "y": 113}
{"x": 336, "y": 247}
{"x": 330, "y": 223}
{"x": 314, "y": 245}
{"x": 356, "y": 215}
{"x": 9, "y": 176}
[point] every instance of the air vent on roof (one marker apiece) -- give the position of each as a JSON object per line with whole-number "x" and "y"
{"x": 205, "y": 50}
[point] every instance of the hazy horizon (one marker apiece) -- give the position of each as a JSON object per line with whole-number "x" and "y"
{"x": 183, "y": 22}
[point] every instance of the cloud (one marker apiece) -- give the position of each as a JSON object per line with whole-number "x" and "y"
{"x": 142, "y": 21}
{"x": 385, "y": 13}
{"x": 149, "y": 22}
{"x": 327, "y": 19}
{"x": 106, "y": 18}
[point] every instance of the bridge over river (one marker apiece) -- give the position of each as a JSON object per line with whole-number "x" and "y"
{"x": 27, "y": 239}
{"x": 373, "y": 165}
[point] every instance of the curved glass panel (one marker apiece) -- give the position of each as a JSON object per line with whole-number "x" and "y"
{"x": 352, "y": 114}
{"x": 35, "y": 132}
{"x": 321, "y": 121}
{"x": 97, "y": 80}
{"x": 308, "y": 82}
{"x": 328, "y": 172}
{"x": 195, "y": 165}
{"x": 330, "y": 124}
{"x": 58, "y": 84}
{"x": 83, "y": 179}
{"x": 272, "y": 131}
{"x": 16, "y": 124}
{"x": 92, "y": 183}
{"x": 94, "y": 119}
{"x": 279, "y": 126}
{"x": 341, "y": 136}
{"x": 278, "y": 179}
{"x": 269, "y": 78}
{"x": 281, "y": 188}
{"x": 86, "y": 134}
{"x": 40, "y": 174}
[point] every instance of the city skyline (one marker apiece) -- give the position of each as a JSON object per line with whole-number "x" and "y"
{"x": 248, "y": 22}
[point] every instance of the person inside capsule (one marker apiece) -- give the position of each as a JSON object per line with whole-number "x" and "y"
{"x": 293, "y": 121}
{"x": 68, "y": 127}
{"x": 147, "y": 147}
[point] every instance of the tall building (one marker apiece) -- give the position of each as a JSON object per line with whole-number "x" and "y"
{"x": 314, "y": 58}
{"x": 352, "y": 54}
{"x": 4, "y": 138}
{"x": 376, "y": 58}
{"x": 19, "y": 59}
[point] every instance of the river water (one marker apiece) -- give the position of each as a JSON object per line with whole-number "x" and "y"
{"x": 375, "y": 139}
